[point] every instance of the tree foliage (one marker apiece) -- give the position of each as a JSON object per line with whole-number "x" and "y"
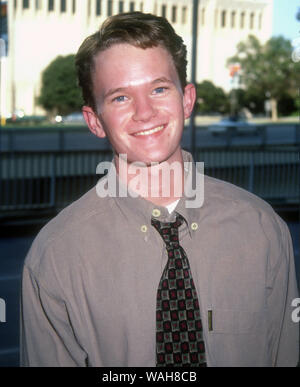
{"x": 211, "y": 98}
{"x": 60, "y": 93}
{"x": 268, "y": 70}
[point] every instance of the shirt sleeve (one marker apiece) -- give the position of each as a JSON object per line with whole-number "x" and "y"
{"x": 47, "y": 338}
{"x": 282, "y": 287}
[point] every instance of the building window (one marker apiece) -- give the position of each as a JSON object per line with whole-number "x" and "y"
{"x": 98, "y": 7}
{"x": 223, "y": 19}
{"x": 184, "y": 17}
{"x": 74, "y": 6}
{"x": 233, "y": 19}
{"x": 260, "y": 21}
{"x": 251, "y": 21}
{"x": 63, "y": 6}
{"x": 163, "y": 10}
{"x": 25, "y": 4}
{"x": 242, "y": 20}
{"x": 121, "y": 6}
{"x": 37, "y": 5}
{"x": 142, "y": 7}
{"x": 131, "y": 6}
{"x": 50, "y": 5}
{"x": 174, "y": 14}
{"x": 203, "y": 16}
{"x": 109, "y": 7}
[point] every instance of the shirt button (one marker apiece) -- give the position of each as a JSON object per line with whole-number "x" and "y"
{"x": 156, "y": 213}
{"x": 194, "y": 226}
{"x": 144, "y": 228}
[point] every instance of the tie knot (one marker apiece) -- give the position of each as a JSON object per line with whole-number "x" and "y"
{"x": 168, "y": 230}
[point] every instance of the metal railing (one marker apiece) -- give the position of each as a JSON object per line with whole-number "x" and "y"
{"x": 31, "y": 180}
{"x": 53, "y": 179}
{"x": 272, "y": 174}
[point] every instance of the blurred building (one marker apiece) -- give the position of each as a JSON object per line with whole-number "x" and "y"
{"x": 40, "y": 30}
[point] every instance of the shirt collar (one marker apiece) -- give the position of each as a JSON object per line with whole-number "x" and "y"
{"x": 142, "y": 210}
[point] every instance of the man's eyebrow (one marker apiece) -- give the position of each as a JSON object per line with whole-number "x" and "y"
{"x": 114, "y": 91}
{"x": 123, "y": 89}
{"x": 162, "y": 80}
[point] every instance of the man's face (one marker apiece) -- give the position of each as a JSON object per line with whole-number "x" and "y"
{"x": 140, "y": 104}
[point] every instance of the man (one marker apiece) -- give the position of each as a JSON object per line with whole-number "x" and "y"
{"x": 139, "y": 271}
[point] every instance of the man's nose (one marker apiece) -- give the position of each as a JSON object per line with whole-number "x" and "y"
{"x": 144, "y": 109}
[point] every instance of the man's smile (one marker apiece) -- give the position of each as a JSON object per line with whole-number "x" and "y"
{"x": 150, "y": 131}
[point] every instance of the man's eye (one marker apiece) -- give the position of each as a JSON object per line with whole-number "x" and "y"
{"x": 120, "y": 98}
{"x": 160, "y": 90}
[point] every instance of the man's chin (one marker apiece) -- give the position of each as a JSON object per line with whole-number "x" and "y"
{"x": 147, "y": 160}
{"x": 142, "y": 162}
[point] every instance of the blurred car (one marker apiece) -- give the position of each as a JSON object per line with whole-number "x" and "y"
{"x": 73, "y": 118}
{"x": 234, "y": 125}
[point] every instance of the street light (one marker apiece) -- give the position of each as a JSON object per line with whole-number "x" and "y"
{"x": 2, "y": 85}
{"x": 192, "y": 129}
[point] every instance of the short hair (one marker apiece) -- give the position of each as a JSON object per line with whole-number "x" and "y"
{"x": 135, "y": 28}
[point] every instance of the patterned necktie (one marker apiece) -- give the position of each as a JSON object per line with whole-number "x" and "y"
{"x": 179, "y": 338}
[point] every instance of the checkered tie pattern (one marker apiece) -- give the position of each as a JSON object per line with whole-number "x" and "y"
{"x": 179, "y": 335}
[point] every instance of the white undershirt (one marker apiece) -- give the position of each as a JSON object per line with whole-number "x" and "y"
{"x": 171, "y": 207}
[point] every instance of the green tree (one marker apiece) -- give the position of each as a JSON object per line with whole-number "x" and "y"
{"x": 211, "y": 98}
{"x": 60, "y": 93}
{"x": 250, "y": 100}
{"x": 268, "y": 70}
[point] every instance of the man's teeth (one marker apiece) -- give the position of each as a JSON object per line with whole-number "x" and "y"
{"x": 151, "y": 131}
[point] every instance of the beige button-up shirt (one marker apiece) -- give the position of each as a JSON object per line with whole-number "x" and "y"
{"x": 90, "y": 281}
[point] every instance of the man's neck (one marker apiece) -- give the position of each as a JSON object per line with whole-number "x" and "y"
{"x": 159, "y": 183}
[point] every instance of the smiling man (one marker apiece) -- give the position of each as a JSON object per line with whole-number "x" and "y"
{"x": 141, "y": 108}
{"x": 148, "y": 279}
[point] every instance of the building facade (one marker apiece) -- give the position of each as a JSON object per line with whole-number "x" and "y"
{"x": 40, "y": 30}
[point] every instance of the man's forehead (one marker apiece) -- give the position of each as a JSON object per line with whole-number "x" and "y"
{"x": 127, "y": 66}
{"x": 123, "y": 53}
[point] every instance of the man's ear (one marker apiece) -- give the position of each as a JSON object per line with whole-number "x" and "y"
{"x": 189, "y": 99}
{"x": 93, "y": 122}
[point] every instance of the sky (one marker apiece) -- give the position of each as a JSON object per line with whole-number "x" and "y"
{"x": 284, "y": 19}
